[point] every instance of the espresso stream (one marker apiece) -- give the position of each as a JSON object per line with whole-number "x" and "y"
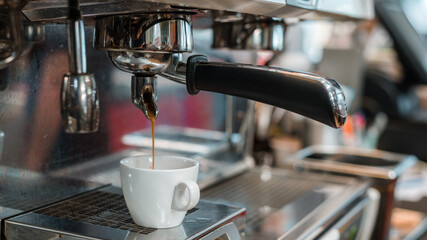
{"x": 152, "y": 119}
{"x": 151, "y": 110}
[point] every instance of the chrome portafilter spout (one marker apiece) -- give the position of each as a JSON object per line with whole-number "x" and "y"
{"x": 79, "y": 96}
{"x": 144, "y": 95}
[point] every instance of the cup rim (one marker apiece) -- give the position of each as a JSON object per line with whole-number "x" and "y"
{"x": 196, "y": 163}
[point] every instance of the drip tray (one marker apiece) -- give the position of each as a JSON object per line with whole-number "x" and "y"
{"x": 103, "y": 214}
{"x": 287, "y": 205}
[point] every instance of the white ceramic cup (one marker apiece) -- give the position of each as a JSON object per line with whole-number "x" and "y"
{"x": 161, "y": 197}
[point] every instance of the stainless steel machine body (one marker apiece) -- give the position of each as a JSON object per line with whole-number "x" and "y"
{"x": 39, "y": 156}
{"x": 54, "y": 10}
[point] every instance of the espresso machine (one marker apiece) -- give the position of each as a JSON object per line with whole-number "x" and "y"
{"x": 69, "y": 72}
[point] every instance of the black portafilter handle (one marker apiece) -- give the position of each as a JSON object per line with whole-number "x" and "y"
{"x": 310, "y": 95}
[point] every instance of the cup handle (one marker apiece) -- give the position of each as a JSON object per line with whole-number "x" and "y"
{"x": 185, "y": 200}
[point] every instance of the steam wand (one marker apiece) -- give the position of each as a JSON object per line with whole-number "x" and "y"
{"x": 79, "y": 96}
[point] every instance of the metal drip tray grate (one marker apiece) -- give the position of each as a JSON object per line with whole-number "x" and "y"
{"x": 283, "y": 204}
{"x": 25, "y": 195}
{"x": 255, "y": 190}
{"x": 19, "y": 194}
{"x": 20, "y": 202}
{"x": 103, "y": 214}
{"x": 99, "y": 208}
